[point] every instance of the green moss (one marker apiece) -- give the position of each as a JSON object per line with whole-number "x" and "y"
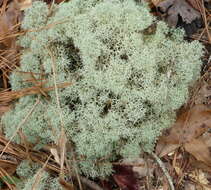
{"x": 127, "y": 83}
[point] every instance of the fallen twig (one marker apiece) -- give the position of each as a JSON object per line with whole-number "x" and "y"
{"x": 160, "y": 163}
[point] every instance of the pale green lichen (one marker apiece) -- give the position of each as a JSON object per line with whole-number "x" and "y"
{"x": 28, "y": 172}
{"x": 26, "y": 169}
{"x": 126, "y": 83}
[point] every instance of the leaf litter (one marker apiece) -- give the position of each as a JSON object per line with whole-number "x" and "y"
{"x": 190, "y": 134}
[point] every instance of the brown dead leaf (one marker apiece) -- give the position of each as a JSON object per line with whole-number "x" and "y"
{"x": 139, "y": 166}
{"x": 163, "y": 148}
{"x": 24, "y": 4}
{"x": 199, "y": 150}
{"x": 176, "y": 8}
{"x": 199, "y": 165}
{"x": 196, "y": 4}
{"x": 156, "y": 2}
{"x": 189, "y": 125}
{"x": 125, "y": 177}
{"x": 204, "y": 93}
{"x": 8, "y": 22}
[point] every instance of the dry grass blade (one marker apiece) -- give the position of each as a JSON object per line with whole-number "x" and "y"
{"x": 18, "y": 152}
{"x": 40, "y": 158}
{"x": 8, "y": 96}
{"x": 9, "y": 166}
{"x": 205, "y": 21}
{"x": 62, "y": 147}
{"x": 19, "y": 126}
{"x": 24, "y": 141}
{"x": 9, "y": 54}
{"x": 55, "y": 154}
{"x": 206, "y": 32}
{"x": 39, "y": 85}
{"x": 48, "y": 26}
{"x": 62, "y": 140}
{"x": 39, "y": 175}
{"x": 62, "y": 135}
{"x": 9, "y": 60}
{"x": 12, "y": 149}
{"x": 9, "y": 36}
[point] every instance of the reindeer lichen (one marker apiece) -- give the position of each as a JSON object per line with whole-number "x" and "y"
{"x": 127, "y": 82}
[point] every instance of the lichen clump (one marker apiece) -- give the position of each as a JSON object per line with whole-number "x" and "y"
{"x": 29, "y": 172}
{"x": 127, "y": 82}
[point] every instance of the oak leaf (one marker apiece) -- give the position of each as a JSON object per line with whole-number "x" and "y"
{"x": 176, "y": 9}
{"x": 189, "y": 126}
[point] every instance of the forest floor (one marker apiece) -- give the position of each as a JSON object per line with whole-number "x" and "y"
{"x": 182, "y": 157}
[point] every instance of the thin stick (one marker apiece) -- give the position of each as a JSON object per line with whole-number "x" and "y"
{"x": 160, "y": 163}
